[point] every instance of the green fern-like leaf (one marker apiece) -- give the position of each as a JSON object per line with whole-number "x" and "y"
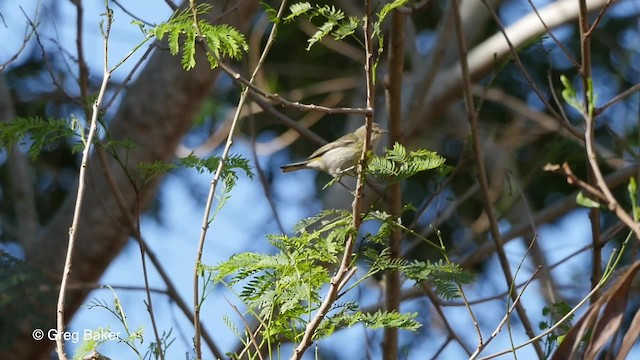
{"x": 445, "y": 277}
{"x": 323, "y": 31}
{"x": 210, "y": 164}
{"x": 391, "y": 319}
{"x": 148, "y": 171}
{"x": 222, "y": 40}
{"x": 324, "y": 217}
{"x": 298, "y": 9}
{"x": 36, "y": 132}
{"x": 396, "y": 165}
{"x": 347, "y": 28}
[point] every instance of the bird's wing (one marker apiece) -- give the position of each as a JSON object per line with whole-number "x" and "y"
{"x": 343, "y": 141}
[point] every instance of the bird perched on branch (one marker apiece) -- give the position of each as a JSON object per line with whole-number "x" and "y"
{"x": 339, "y": 156}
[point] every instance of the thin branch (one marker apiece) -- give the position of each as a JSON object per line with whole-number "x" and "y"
{"x": 221, "y": 164}
{"x": 506, "y": 316}
{"x": 60, "y": 320}
{"x": 126, "y": 81}
{"x": 171, "y": 290}
{"x": 132, "y": 15}
{"x": 548, "y": 214}
{"x": 630, "y": 91}
{"x": 291, "y": 104}
{"x": 597, "y": 193}
{"x": 437, "y": 305}
{"x": 551, "y": 329}
{"x": 266, "y": 188}
{"x": 252, "y": 337}
{"x": 482, "y": 175}
{"x": 548, "y": 31}
{"x": 50, "y": 71}
{"x": 29, "y": 32}
{"x": 344, "y": 270}
{"x": 83, "y": 70}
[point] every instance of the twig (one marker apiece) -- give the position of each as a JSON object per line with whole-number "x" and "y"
{"x": 266, "y": 189}
{"x": 437, "y": 305}
{"x": 548, "y": 214}
{"x": 221, "y": 164}
{"x": 50, "y": 71}
{"x": 343, "y": 270}
{"x": 506, "y": 316}
{"x": 133, "y": 16}
{"x": 548, "y": 31}
{"x": 249, "y": 331}
{"x": 567, "y": 316}
{"x": 630, "y": 91}
{"x": 482, "y": 175}
{"x": 60, "y": 320}
{"x": 83, "y": 70}
{"x": 27, "y": 36}
{"x": 171, "y": 290}
{"x": 292, "y": 104}
{"x": 126, "y": 81}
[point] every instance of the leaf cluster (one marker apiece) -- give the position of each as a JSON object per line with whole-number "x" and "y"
{"x": 336, "y": 23}
{"x": 446, "y": 277}
{"x": 232, "y": 163}
{"x": 347, "y": 316}
{"x": 283, "y": 290}
{"x": 397, "y": 165}
{"x": 149, "y": 170}
{"x": 222, "y": 40}
{"x": 554, "y": 312}
{"x": 35, "y": 132}
{"x": 279, "y": 289}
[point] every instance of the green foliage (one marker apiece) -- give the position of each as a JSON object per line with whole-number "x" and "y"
{"x": 148, "y": 171}
{"x": 377, "y": 28}
{"x": 132, "y": 338}
{"x": 377, "y": 32}
{"x": 583, "y": 200}
{"x": 446, "y": 277}
{"x": 376, "y": 320}
{"x": 284, "y": 289}
{"x": 222, "y": 40}
{"x": 211, "y": 164}
{"x": 569, "y": 94}
{"x": 271, "y": 12}
{"x": 35, "y": 132}
{"x": 396, "y": 165}
{"x": 555, "y": 312}
{"x": 298, "y": 9}
{"x": 335, "y": 23}
{"x": 632, "y": 189}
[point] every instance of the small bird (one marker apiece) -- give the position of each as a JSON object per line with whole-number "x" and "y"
{"x": 340, "y": 155}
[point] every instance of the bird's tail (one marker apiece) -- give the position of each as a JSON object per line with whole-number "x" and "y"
{"x": 294, "y": 166}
